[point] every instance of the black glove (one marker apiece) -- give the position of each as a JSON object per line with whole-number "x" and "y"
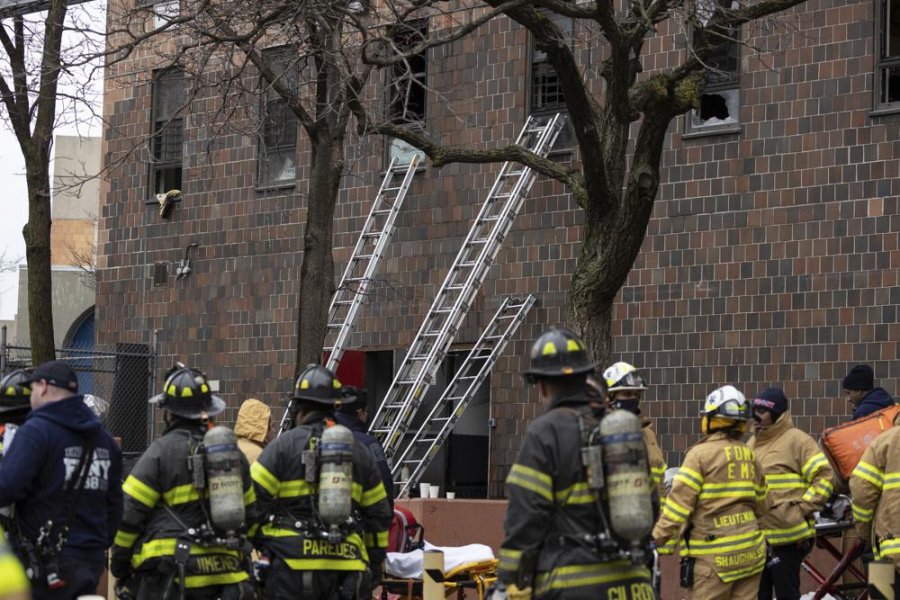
{"x": 120, "y": 567}
{"x": 125, "y": 589}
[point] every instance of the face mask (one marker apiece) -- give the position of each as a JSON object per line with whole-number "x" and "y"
{"x": 629, "y": 404}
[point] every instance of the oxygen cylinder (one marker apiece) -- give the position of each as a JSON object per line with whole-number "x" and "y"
{"x": 223, "y": 477}
{"x": 335, "y": 475}
{"x": 627, "y": 476}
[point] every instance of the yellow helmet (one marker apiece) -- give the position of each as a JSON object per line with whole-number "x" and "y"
{"x": 623, "y": 376}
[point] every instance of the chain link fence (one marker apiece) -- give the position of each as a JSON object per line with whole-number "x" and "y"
{"x": 122, "y": 375}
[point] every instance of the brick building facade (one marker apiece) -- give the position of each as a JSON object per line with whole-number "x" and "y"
{"x": 772, "y": 256}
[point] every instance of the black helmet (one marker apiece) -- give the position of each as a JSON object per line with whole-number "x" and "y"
{"x": 557, "y": 353}
{"x": 186, "y": 393}
{"x": 15, "y": 395}
{"x": 353, "y": 399}
{"x": 317, "y": 384}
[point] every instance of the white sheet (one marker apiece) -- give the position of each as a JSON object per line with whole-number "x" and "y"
{"x": 409, "y": 564}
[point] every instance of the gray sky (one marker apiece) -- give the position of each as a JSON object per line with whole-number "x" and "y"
{"x": 15, "y": 215}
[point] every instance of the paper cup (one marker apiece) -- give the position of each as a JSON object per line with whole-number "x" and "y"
{"x": 434, "y": 491}
{"x": 423, "y": 490}
{"x": 451, "y": 495}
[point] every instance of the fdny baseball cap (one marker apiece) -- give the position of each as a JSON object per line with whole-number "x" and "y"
{"x": 56, "y": 373}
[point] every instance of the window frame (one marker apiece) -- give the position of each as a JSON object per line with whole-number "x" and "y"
{"x": 264, "y": 151}
{"x": 538, "y": 65}
{"x": 159, "y": 165}
{"x": 883, "y": 14}
{"x": 726, "y": 84}
{"x": 396, "y": 148}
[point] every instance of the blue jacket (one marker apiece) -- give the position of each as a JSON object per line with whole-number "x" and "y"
{"x": 43, "y": 455}
{"x": 358, "y": 428}
{"x": 871, "y": 402}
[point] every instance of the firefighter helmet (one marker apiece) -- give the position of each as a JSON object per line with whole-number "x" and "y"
{"x": 558, "y": 353}
{"x": 623, "y": 376}
{"x": 187, "y": 394}
{"x": 15, "y": 394}
{"x": 317, "y": 384}
{"x": 725, "y": 409}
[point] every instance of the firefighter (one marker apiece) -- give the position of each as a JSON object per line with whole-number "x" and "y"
{"x": 717, "y": 499}
{"x": 311, "y": 559}
{"x": 169, "y": 545}
{"x": 15, "y": 404}
{"x": 553, "y": 546}
{"x": 625, "y": 389}
{"x": 354, "y": 415}
{"x": 875, "y": 489}
{"x": 799, "y": 479}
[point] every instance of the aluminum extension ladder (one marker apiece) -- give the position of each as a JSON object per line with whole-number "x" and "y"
{"x": 354, "y": 287}
{"x": 419, "y": 453}
{"x": 419, "y": 367}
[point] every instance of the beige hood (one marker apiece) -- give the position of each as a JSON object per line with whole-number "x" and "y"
{"x": 253, "y": 420}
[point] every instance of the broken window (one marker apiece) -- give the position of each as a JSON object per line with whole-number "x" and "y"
{"x": 168, "y": 125}
{"x": 277, "y": 154}
{"x": 546, "y": 92}
{"x": 407, "y": 84}
{"x": 720, "y": 100}
{"x": 888, "y": 92}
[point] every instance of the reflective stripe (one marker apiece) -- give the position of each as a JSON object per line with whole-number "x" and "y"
{"x": 820, "y": 488}
{"x": 690, "y": 477}
{"x": 783, "y": 481}
{"x": 725, "y": 544}
{"x": 269, "y": 530}
{"x": 815, "y": 462}
{"x": 249, "y": 495}
{"x": 668, "y": 547}
{"x": 324, "y": 564}
{"x": 891, "y": 481}
{"x": 575, "y": 576}
{"x": 532, "y": 480}
{"x": 373, "y": 495}
{"x": 509, "y": 559}
{"x": 125, "y": 539}
{"x": 166, "y": 547}
{"x": 377, "y": 540}
{"x": 579, "y": 493}
{"x": 675, "y": 511}
{"x": 198, "y": 581}
{"x": 789, "y": 534}
{"x": 888, "y": 547}
{"x": 729, "y": 576}
{"x": 140, "y": 491}
{"x": 264, "y": 478}
{"x": 181, "y": 494}
{"x": 296, "y": 488}
{"x": 870, "y": 473}
{"x": 735, "y": 489}
{"x": 863, "y": 515}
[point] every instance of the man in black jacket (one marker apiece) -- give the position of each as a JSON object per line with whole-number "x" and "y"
{"x": 354, "y": 415}
{"x": 63, "y": 473}
{"x": 864, "y": 397}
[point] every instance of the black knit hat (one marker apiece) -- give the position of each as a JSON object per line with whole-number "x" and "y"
{"x": 773, "y": 400}
{"x": 860, "y": 377}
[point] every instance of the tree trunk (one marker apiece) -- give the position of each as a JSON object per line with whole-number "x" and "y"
{"x": 317, "y": 270}
{"x": 37, "y": 252}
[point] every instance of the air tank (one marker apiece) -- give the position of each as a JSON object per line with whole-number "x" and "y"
{"x": 335, "y": 475}
{"x": 224, "y": 480}
{"x": 627, "y": 476}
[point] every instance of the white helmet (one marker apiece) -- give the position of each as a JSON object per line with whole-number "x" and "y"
{"x": 726, "y": 402}
{"x": 623, "y": 376}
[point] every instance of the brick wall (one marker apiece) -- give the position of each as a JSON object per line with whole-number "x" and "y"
{"x": 771, "y": 258}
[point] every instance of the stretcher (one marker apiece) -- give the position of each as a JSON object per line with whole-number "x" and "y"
{"x": 471, "y": 567}
{"x": 831, "y": 524}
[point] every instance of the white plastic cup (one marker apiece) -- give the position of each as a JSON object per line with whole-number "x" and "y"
{"x": 434, "y": 491}
{"x": 451, "y": 495}
{"x": 423, "y": 490}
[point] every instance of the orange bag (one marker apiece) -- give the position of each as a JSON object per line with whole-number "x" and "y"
{"x": 845, "y": 444}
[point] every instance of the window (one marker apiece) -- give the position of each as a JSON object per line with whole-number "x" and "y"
{"x": 720, "y": 100}
{"x": 546, "y": 93}
{"x": 407, "y": 84}
{"x": 163, "y": 10}
{"x": 277, "y": 156}
{"x": 168, "y": 105}
{"x": 888, "y": 80}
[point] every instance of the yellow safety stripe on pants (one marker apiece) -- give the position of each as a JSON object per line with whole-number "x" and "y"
{"x": 690, "y": 478}
{"x": 790, "y": 534}
{"x": 888, "y": 547}
{"x": 785, "y": 481}
{"x": 320, "y": 564}
{"x": 863, "y": 515}
{"x": 166, "y": 547}
{"x": 725, "y": 544}
{"x": 575, "y": 576}
{"x": 181, "y": 494}
{"x": 675, "y": 511}
{"x": 265, "y": 479}
{"x": 820, "y": 488}
{"x": 509, "y": 559}
{"x": 140, "y": 491}
{"x": 532, "y": 480}
{"x": 125, "y": 539}
{"x": 870, "y": 473}
{"x": 249, "y": 495}
{"x": 729, "y": 576}
{"x": 891, "y": 481}
{"x": 579, "y": 493}
{"x": 815, "y": 462}
{"x": 198, "y": 581}
{"x": 372, "y": 495}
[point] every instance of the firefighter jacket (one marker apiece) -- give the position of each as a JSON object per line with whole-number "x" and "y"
{"x": 655, "y": 457}
{"x": 553, "y": 516}
{"x": 13, "y": 581}
{"x": 162, "y": 503}
{"x": 288, "y": 506}
{"x": 875, "y": 489}
{"x": 798, "y": 476}
{"x": 715, "y": 504}
{"x": 252, "y": 428}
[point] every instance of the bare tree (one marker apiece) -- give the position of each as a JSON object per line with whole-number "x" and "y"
{"x": 43, "y": 86}
{"x": 615, "y": 185}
